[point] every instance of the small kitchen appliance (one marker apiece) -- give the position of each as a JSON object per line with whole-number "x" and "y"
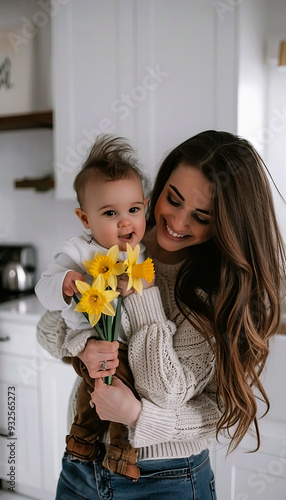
{"x": 17, "y": 271}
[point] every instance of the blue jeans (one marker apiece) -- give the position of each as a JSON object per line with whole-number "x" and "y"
{"x": 181, "y": 478}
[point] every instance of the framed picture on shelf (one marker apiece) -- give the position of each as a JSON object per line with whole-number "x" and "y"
{"x": 16, "y": 72}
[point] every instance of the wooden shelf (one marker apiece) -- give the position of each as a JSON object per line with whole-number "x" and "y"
{"x": 38, "y": 183}
{"x": 43, "y": 119}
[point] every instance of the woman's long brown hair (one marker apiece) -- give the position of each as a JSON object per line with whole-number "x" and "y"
{"x": 241, "y": 269}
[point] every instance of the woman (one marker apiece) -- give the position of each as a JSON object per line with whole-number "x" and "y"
{"x": 198, "y": 340}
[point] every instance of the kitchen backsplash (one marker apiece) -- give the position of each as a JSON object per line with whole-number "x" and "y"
{"x": 26, "y": 215}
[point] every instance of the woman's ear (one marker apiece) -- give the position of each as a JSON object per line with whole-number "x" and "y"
{"x": 145, "y": 202}
{"x": 82, "y": 216}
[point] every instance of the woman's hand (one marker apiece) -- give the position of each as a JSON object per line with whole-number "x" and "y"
{"x": 116, "y": 402}
{"x": 95, "y": 353}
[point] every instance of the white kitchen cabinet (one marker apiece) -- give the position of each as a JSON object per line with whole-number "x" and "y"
{"x": 57, "y": 380}
{"x": 20, "y": 460}
{"x": 260, "y": 475}
{"x": 42, "y": 386}
{"x": 19, "y": 385}
{"x": 155, "y": 72}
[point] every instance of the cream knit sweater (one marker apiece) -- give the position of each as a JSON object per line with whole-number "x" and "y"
{"x": 173, "y": 368}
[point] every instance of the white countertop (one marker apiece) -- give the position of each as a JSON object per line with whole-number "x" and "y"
{"x": 26, "y": 308}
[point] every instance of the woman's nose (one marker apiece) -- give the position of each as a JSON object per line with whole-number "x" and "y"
{"x": 181, "y": 222}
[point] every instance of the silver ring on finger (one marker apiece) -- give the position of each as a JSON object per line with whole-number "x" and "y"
{"x": 104, "y": 365}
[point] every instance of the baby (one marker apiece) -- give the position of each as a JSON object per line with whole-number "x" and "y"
{"x": 112, "y": 210}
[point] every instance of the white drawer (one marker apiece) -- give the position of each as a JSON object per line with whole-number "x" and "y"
{"x": 18, "y": 338}
{"x": 19, "y": 370}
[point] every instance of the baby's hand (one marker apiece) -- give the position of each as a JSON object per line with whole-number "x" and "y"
{"x": 122, "y": 283}
{"x": 69, "y": 286}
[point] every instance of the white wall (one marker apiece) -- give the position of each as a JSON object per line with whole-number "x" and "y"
{"x": 251, "y": 71}
{"x": 261, "y": 89}
{"x": 275, "y": 126}
{"x": 28, "y": 216}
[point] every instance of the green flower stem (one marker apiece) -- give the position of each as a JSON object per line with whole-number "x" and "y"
{"x": 103, "y": 317}
{"x": 116, "y": 321}
{"x": 109, "y": 322}
{"x": 113, "y": 329}
{"x": 107, "y": 380}
{"x": 99, "y": 331}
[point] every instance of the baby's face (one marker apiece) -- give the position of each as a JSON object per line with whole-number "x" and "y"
{"x": 114, "y": 212}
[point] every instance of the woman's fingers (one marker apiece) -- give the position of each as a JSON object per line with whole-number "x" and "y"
{"x": 104, "y": 372}
{"x": 116, "y": 402}
{"x": 100, "y": 357}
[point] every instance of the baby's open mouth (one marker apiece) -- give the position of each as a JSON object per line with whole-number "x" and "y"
{"x": 127, "y": 236}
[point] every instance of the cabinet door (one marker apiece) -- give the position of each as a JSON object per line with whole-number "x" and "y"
{"x": 248, "y": 476}
{"x": 185, "y": 62}
{"x": 260, "y": 475}
{"x": 24, "y": 446}
{"x": 57, "y": 381}
{"x": 92, "y": 52}
{"x": 155, "y": 72}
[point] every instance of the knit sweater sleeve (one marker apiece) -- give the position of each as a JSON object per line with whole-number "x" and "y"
{"x": 59, "y": 340}
{"x": 171, "y": 363}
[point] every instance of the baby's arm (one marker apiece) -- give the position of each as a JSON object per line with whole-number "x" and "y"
{"x": 54, "y": 289}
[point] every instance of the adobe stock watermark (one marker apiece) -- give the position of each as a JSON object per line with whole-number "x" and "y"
{"x": 222, "y": 7}
{"x": 30, "y": 27}
{"x": 277, "y": 125}
{"x": 122, "y": 107}
{"x": 264, "y": 477}
{"x": 37, "y": 364}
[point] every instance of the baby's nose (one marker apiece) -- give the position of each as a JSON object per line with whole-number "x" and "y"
{"x": 124, "y": 222}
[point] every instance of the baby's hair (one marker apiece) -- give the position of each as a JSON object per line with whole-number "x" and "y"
{"x": 110, "y": 159}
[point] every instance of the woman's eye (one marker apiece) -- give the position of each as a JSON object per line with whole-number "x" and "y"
{"x": 201, "y": 221}
{"x": 172, "y": 202}
{"x": 110, "y": 213}
{"x": 133, "y": 210}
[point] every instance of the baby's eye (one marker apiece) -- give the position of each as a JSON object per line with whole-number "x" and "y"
{"x": 133, "y": 210}
{"x": 109, "y": 213}
{"x": 172, "y": 202}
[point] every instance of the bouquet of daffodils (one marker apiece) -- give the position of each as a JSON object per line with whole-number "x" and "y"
{"x": 95, "y": 302}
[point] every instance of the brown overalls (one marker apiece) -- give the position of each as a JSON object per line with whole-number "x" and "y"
{"x": 87, "y": 429}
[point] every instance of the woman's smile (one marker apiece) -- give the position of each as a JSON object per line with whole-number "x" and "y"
{"x": 173, "y": 233}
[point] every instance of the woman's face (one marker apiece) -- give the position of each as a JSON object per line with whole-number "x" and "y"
{"x": 182, "y": 211}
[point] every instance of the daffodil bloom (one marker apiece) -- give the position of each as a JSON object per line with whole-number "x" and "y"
{"x": 105, "y": 265}
{"x": 95, "y": 299}
{"x": 137, "y": 272}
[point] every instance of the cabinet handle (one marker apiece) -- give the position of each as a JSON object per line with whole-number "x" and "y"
{"x": 5, "y": 339}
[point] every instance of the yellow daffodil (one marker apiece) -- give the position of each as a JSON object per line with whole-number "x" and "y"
{"x": 95, "y": 299}
{"x": 105, "y": 265}
{"x": 137, "y": 272}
